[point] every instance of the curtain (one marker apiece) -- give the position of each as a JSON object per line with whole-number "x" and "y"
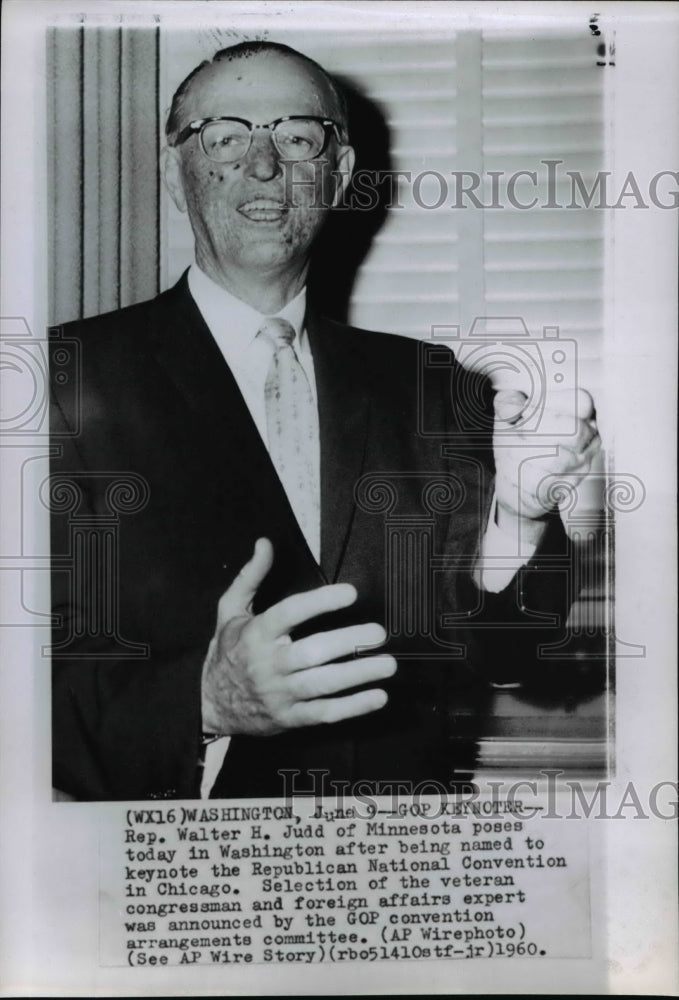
{"x": 103, "y": 139}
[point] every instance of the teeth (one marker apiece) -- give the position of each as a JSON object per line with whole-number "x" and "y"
{"x": 262, "y": 205}
{"x": 263, "y": 210}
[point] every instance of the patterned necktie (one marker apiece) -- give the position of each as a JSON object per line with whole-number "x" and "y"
{"x": 292, "y": 430}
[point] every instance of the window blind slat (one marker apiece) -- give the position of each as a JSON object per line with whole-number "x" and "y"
{"x": 501, "y": 109}
{"x": 510, "y": 87}
{"x": 563, "y": 50}
{"x": 522, "y": 279}
{"x": 403, "y": 283}
{"x": 538, "y": 254}
{"x": 587, "y": 163}
{"x": 543, "y": 223}
{"x": 553, "y": 309}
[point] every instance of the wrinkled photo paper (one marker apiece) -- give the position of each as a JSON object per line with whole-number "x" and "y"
{"x": 391, "y": 288}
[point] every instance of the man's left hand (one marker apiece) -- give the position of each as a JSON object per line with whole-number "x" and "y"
{"x": 520, "y": 473}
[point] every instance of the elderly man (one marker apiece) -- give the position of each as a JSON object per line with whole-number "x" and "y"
{"x": 284, "y": 626}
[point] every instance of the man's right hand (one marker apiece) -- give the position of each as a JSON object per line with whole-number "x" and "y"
{"x": 257, "y": 681}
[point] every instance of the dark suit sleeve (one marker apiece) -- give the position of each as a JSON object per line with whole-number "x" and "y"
{"x": 512, "y": 628}
{"x": 126, "y": 720}
{"x": 505, "y": 632}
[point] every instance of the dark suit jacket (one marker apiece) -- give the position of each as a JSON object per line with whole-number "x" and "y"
{"x": 160, "y": 486}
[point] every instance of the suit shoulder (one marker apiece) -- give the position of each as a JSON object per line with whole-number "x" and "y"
{"x": 100, "y": 366}
{"x": 117, "y": 322}
{"x": 400, "y": 366}
{"x": 112, "y": 346}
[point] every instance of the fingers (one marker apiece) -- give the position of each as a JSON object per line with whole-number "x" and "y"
{"x": 568, "y": 419}
{"x": 254, "y": 571}
{"x": 330, "y": 710}
{"x": 581, "y": 457}
{"x": 325, "y": 647}
{"x": 569, "y": 404}
{"x": 585, "y": 433}
{"x": 509, "y": 404}
{"x": 239, "y": 596}
{"x": 584, "y": 405}
{"x": 571, "y": 416}
{"x": 318, "y": 682}
{"x": 256, "y": 681}
{"x": 284, "y": 616}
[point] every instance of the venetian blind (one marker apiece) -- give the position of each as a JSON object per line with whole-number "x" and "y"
{"x": 543, "y": 113}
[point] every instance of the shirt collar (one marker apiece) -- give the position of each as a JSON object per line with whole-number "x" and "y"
{"x": 233, "y": 323}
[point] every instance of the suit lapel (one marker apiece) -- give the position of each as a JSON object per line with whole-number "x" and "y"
{"x": 343, "y": 405}
{"x": 188, "y": 353}
{"x": 243, "y": 478}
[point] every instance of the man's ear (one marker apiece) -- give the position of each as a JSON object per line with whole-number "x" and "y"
{"x": 346, "y": 157}
{"x": 171, "y": 167}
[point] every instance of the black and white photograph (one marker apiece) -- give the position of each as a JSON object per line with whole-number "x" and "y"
{"x": 362, "y": 512}
{"x": 339, "y": 364}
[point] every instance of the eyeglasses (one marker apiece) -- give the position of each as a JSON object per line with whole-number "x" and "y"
{"x": 296, "y": 137}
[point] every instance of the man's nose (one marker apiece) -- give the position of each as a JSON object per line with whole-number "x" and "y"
{"x": 262, "y": 160}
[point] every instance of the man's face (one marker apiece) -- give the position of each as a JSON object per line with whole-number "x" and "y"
{"x": 246, "y": 215}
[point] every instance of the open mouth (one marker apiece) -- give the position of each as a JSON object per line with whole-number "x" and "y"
{"x": 263, "y": 210}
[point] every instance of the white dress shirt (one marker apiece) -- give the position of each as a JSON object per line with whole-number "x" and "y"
{"x": 234, "y": 326}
